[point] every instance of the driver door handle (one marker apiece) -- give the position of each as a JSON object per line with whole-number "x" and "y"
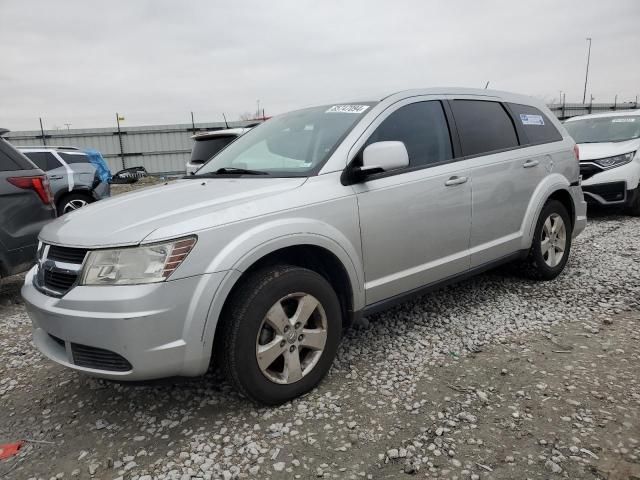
{"x": 455, "y": 180}
{"x": 530, "y": 163}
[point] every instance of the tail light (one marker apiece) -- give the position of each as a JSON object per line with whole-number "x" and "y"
{"x": 38, "y": 183}
{"x": 576, "y": 152}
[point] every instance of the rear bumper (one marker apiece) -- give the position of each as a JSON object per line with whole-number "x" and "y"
{"x": 102, "y": 190}
{"x": 580, "y": 221}
{"x": 134, "y": 332}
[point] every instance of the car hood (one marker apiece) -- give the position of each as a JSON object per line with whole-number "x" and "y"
{"x": 593, "y": 151}
{"x": 176, "y": 208}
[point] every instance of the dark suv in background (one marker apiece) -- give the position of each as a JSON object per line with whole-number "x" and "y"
{"x": 26, "y": 204}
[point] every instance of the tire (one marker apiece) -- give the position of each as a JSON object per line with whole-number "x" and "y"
{"x": 71, "y": 202}
{"x": 258, "y": 354}
{"x": 544, "y": 264}
{"x": 633, "y": 208}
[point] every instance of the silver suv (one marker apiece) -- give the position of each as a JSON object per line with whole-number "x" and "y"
{"x": 75, "y": 181}
{"x": 300, "y": 226}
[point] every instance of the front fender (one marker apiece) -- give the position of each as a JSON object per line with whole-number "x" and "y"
{"x": 551, "y": 184}
{"x": 245, "y": 249}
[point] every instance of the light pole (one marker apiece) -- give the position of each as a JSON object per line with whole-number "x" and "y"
{"x": 586, "y": 75}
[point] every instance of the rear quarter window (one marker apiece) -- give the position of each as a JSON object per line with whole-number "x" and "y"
{"x": 536, "y": 125}
{"x": 12, "y": 159}
{"x": 74, "y": 157}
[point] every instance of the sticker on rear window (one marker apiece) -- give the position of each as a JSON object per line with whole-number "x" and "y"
{"x": 623, "y": 120}
{"x": 347, "y": 109}
{"x": 531, "y": 119}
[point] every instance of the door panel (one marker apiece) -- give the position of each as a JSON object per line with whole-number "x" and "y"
{"x": 503, "y": 185}
{"x": 415, "y": 229}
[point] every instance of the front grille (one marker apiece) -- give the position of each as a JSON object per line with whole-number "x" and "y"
{"x": 614, "y": 192}
{"x": 98, "y": 358}
{"x": 66, "y": 254}
{"x": 59, "y": 281}
{"x": 58, "y": 269}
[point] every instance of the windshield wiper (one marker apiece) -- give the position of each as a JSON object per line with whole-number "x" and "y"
{"x": 228, "y": 171}
{"x": 239, "y": 171}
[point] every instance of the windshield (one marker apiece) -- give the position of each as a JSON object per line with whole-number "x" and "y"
{"x": 293, "y": 144}
{"x": 604, "y": 129}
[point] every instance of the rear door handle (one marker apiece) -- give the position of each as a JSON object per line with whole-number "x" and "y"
{"x": 56, "y": 177}
{"x": 455, "y": 180}
{"x": 530, "y": 163}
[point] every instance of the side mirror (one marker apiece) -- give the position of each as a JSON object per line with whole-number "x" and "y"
{"x": 384, "y": 156}
{"x": 376, "y": 158}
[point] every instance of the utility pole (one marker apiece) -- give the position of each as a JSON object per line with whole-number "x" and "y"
{"x": 615, "y": 102}
{"x": 120, "y": 140}
{"x": 44, "y": 140}
{"x": 68, "y": 125}
{"x": 586, "y": 76}
{"x": 258, "y": 109}
{"x": 193, "y": 124}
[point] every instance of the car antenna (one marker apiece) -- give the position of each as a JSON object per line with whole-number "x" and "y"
{"x": 225, "y": 120}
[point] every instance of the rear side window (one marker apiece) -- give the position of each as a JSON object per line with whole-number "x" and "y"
{"x": 204, "y": 149}
{"x": 423, "y": 129}
{"x": 44, "y": 160}
{"x": 483, "y": 126}
{"x": 536, "y": 125}
{"x": 12, "y": 159}
{"x": 74, "y": 157}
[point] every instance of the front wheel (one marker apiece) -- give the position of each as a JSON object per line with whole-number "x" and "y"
{"x": 551, "y": 244}
{"x": 281, "y": 332}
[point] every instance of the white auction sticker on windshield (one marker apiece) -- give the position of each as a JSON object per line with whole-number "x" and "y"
{"x": 347, "y": 109}
{"x": 531, "y": 119}
{"x": 623, "y": 120}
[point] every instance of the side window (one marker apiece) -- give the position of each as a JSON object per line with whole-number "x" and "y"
{"x": 483, "y": 126}
{"x": 423, "y": 128}
{"x": 44, "y": 160}
{"x": 74, "y": 157}
{"x": 536, "y": 125}
{"x": 6, "y": 164}
{"x": 12, "y": 159}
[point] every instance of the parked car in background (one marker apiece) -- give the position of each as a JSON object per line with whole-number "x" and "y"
{"x": 26, "y": 205}
{"x": 307, "y": 222}
{"x": 207, "y": 144}
{"x": 74, "y": 180}
{"x": 609, "y": 146}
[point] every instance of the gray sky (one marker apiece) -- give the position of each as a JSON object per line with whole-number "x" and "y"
{"x": 155, "y": 61}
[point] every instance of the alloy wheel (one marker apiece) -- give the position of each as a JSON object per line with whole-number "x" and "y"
{"x": 291, "y": 338}
{"x": 553, "y": 241}
{"x": 74, "y": 205}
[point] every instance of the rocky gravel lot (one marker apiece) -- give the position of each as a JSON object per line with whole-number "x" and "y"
{"x": 496, "y": 377}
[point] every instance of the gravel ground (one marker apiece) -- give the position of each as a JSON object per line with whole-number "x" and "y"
{"x": 496, "y": 377}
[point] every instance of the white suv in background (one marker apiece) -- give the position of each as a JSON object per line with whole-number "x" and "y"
{"x": 208, "y": 144}
{"x": 609, "y": 157}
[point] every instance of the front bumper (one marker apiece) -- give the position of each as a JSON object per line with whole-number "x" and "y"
{"x": 615, "y": 186}
{"x": 133, "y": 332}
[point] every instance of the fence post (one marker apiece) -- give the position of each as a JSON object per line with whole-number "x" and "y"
{"x": 120, "y": 140}
{"x": 44, "y": 140}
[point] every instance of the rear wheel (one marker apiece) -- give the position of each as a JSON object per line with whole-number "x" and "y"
{"x": 281, "y": 333}
{"x": 551, "y": 244}
{"x": 634, "y": 205}
{"x": 73, "y": 202}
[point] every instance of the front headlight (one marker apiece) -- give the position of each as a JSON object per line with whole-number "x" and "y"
{"x": 611, "y": 162}
{"x": 135, "y": 265}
